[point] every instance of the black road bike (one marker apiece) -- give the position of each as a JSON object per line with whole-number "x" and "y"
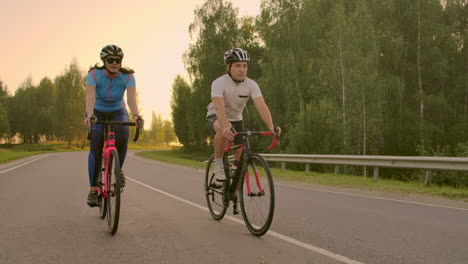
{"x": 250, "y": 185}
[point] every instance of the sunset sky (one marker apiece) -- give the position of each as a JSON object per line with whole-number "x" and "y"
{"x": 40, "y": 38}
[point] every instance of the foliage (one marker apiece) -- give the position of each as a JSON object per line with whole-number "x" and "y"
{"x": 362, "y": 77}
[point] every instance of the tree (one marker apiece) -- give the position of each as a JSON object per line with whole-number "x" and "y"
{"x": 218, "y": 29}
{"x": 4, "y": 123}
{"x": 45, "y": 99}
{"x": 21, "y": 111}
{"x": 70, "y": 104}
{"x": 180, "y": 105}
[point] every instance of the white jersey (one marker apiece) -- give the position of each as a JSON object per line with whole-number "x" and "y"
{"x": 235, "y": 95}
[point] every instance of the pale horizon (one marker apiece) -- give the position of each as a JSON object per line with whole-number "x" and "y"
{"x": 42, "y": 38}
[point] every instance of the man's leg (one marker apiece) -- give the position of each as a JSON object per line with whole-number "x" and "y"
{"x": 219, "y": 144}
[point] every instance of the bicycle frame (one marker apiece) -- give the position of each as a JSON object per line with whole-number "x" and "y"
{"x": 109, "y": 145}
{"x": 236, "y": 180}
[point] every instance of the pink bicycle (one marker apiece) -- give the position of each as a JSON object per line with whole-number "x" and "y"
{"x": 109, "y": 179}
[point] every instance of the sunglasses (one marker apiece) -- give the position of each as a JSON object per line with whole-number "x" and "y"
{"x": 112, "y": 60}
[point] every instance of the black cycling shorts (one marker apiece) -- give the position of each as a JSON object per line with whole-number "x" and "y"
{"x": 237, "y": 125}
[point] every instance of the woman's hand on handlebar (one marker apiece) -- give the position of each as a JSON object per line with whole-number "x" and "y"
{"x": 88, "y": 121}
{"x": 139, "y": 121}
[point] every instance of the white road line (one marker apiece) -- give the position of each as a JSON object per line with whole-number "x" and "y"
{"x": 22, "y": 164}
{"x": 372, "y": 197}
{"x": 319, "y": 190}
{"x": 271, "y": 233}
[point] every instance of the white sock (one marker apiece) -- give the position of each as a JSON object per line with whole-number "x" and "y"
{"x": 219, "y": 163}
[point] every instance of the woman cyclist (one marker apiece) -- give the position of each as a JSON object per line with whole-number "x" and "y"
{"x": 105, "y": 87}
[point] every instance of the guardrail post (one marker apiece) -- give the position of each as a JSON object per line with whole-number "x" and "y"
{"x": 307, "y": 169}
{"x": 376, "y": 173}
{"x": 283, "y": 165}
{"x": 428, "y": 180}
{"x": 337, "y": 169}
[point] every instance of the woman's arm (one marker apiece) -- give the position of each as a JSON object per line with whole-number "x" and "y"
{"x": 132, "y": 101}
{"x": 90, "y": 101}
{"x": 132, "y": 104}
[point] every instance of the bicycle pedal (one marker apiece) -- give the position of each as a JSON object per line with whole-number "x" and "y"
{"x": 217, "y": 185}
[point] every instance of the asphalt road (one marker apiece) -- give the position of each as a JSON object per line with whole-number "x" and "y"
{"x": 164, "y": 219}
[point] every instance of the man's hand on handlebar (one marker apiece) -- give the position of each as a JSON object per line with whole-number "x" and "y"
{"x": 276, "y": 131}
{"x": 228, "y": 132}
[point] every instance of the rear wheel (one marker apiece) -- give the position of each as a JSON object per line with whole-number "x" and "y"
{"x": 101, "y": 200}
{"x": 258, "y": 205}
{"x": 113, "y": 196}
{"x": 214, "y": 196}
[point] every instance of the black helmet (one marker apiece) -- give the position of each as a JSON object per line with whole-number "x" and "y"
{"x": 111, "y": 50}
{"x": 236, "y": 54}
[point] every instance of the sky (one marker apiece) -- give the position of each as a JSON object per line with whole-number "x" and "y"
{"x": 40, "y": 38}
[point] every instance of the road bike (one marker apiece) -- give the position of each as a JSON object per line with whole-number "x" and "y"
{"x": 251, "y": 182}
{"x": 109, "y": 181}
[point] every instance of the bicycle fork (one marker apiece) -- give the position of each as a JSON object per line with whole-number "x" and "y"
{"x": 257, "y": 180}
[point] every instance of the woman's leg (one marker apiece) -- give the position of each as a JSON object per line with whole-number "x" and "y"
{"x": 95, "y": 155}
{"x": 121, "y": 135}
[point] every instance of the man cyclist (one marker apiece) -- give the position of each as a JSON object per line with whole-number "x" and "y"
{"x": 105, "y": 88}
{"x": 229, "y": 94}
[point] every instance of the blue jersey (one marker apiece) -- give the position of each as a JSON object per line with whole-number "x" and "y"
{"x": 109, "y": 89}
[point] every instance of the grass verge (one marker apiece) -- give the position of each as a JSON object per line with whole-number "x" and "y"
{"x": 9, "y": 152}
{"x": 330, "y": 179}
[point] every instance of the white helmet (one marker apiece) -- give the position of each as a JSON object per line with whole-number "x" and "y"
{"x": 111, "y": 50}
{"x": 236, "y": 54}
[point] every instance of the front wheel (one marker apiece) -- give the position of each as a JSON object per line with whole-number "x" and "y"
{"x": 101, "y": 200}
{"x": 214, "y": 196}
{"x": 257, "y": 195}
{"x": 113, "y": 195}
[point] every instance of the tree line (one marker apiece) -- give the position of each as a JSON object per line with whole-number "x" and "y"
{"x": 53, "y": 110}
{"x": 362, "y": 77}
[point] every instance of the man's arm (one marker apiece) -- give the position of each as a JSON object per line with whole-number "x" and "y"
{"x": 224, "y": 123}
{"x": 264, "y": 112}
{"x": 221, "y": 112}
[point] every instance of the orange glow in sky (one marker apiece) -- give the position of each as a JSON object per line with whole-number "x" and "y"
{"x": 39, "y": 38}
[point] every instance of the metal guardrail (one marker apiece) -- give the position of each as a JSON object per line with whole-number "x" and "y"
{"x": 412, "y": 162}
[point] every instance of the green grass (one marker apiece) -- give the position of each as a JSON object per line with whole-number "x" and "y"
{"x": 174, "y": 156}
{"x": 9, "y": 152}
{"x": 330, "y": 179}
{"x": 9, "y": 156}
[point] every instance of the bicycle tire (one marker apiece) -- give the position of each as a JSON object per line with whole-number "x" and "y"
{"x": 257, "y": 209}
{"x": 113, "y": 198}
{"x": 215, "y": 198}
{"x": 101, "y": 200}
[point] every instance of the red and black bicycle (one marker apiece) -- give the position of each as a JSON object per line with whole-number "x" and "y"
{"x": 251, "y": 183}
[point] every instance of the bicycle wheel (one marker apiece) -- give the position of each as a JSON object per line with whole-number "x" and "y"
{"x": 113, "y": 196}
{"x": 101, "y": 200}
{"x": 258, "y": 206}
{"x": 214, "y": 196}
